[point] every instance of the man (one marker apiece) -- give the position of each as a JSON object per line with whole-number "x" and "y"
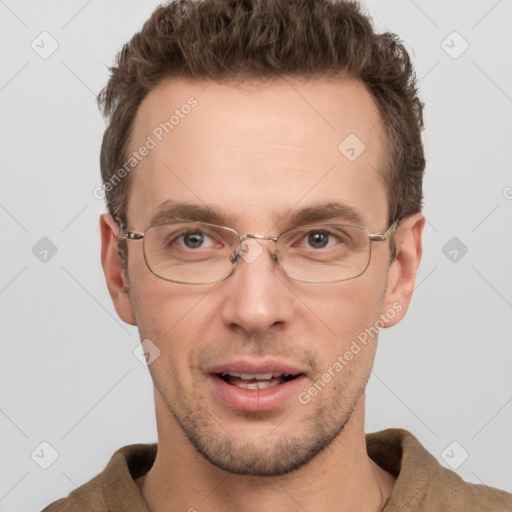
{"x": 263, "y": 169}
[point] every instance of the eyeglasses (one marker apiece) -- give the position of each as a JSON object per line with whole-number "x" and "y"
{"x": 201, "y": 253}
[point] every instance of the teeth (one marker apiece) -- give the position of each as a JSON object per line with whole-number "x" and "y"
{"x": 256, "y": 385}
{"x": 263, "y": 376}
{"x": 257, "y": 376}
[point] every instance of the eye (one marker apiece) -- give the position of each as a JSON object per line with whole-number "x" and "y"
{"x": 325, "y": 239}
{"x": 194, "y": 240}
{"x": 318, "y": 239}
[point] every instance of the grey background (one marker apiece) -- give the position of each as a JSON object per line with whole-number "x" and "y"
{"x": 67, "y": 370}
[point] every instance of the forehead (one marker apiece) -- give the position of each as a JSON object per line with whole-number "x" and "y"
{"x": 253, "y": 152}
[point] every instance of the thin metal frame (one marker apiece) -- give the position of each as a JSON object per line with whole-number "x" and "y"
{"x": 373, "y": 237}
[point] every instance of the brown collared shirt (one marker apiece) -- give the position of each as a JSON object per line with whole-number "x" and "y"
{"x": 422, "y": 484}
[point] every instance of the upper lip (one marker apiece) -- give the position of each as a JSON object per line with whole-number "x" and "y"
{"x": 256, "y": 366}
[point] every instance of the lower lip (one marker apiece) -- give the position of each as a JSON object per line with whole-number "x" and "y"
{"x": 255, "y": 400}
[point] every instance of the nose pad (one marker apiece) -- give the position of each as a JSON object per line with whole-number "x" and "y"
{"x": 250, "y": 250}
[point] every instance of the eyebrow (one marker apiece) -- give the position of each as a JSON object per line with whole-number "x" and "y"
{"x": 170, "y": 211}
{"x": 321, "y": 213}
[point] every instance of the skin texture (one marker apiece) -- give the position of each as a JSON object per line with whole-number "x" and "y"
{"x": 253, "y": 153}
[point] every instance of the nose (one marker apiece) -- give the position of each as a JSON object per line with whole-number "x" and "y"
{"x": 257, "y": 297}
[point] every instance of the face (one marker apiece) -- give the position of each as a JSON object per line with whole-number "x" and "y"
{"x": 240, "y": 359}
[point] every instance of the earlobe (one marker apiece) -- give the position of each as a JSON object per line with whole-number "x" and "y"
{"x": 404, "y": 269}
{"x": 117, "y": 283}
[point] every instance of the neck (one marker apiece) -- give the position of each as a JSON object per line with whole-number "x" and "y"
{"x": 341, "y": 478}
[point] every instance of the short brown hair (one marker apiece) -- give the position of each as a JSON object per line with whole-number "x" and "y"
{"x": 237, "y": 40}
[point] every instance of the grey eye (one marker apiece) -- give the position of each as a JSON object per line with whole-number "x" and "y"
{"x": 193, "y": 240}
{"x": 318, "y": 239}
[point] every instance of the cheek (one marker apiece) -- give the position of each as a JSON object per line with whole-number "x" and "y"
{"x": 171, "y": 315}
{"x": 350, "y": 311}
{"x": 347, "y": 307}
{"x": 176, "y": 323}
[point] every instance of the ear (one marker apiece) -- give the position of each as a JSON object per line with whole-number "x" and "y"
{"x": 117, "y": 281}
{"x": 403, "y": 270}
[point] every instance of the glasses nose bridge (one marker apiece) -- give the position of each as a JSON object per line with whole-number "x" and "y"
{"x": 256, "y": 236}
{"x": 242, "y": 238}
{"x": 259, "y": 237}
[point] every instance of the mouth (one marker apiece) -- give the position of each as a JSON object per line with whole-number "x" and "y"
{"x": 257, "y": 380}
{"x": 255, "y": 386}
